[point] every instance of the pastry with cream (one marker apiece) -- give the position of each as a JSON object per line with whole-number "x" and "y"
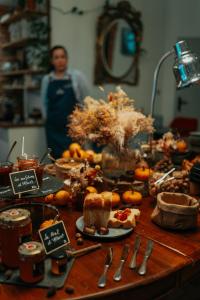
{"x": 124, "y": 218}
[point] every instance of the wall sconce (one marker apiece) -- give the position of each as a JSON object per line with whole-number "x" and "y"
{"x": 186, "y": 69}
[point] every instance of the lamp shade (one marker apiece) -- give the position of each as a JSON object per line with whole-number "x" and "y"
{"x": 186, "y": 67}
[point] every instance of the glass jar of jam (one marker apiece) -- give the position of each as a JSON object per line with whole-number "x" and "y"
{"x": 27, "y": 162}
{"x": 31, "y": 261}
{"x": 5, "y": 169}
{"x": 15, "y": 228}
{"x": 59, "y": 262}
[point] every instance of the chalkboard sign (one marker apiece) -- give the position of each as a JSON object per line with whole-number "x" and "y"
{"x": 54, "y": 237}
{"x": 24, "y": 181}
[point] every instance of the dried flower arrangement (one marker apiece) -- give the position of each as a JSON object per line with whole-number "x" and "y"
{"x": 114, "y": 121}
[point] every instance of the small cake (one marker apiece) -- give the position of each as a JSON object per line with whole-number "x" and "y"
{"x": 96, "y": 210}
{"x": 124, "y": 218}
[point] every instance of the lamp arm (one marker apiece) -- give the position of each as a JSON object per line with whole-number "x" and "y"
{"x": 155, "y": 79}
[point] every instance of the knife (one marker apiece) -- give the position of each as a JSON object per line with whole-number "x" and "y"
{"x": 108, "y": 262}
{"x": 118, "y": 274}
{"x": 132, "y": 264}
{"x": 143, "y": 268}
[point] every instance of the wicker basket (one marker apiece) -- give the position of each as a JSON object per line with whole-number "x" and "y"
{"x": 175, "y": 211}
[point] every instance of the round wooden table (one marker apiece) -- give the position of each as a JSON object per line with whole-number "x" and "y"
{"x": 175, "y": 260}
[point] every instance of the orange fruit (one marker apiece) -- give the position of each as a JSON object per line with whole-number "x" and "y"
{"x": 90, "y": 155}
{"x": 79, "y": 154}
{"x": 46, "y": 223}
{"x": 91, "y": 189}
{"x": 73, "y": 148}
{"x": 49, "y": 198}
{"x": 132, "y": 197}
{"x": 66, "y": 154}
{"x": 61, "y": 198}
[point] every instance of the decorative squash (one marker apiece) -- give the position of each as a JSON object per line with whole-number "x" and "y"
{"x": 115, "y": 197}
{"x": 132, "y": 197}
{"x": 181, "y": 146}
{"x": 142, "y": 174}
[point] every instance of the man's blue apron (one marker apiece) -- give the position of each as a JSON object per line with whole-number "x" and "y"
{"x": 61, "y": 102}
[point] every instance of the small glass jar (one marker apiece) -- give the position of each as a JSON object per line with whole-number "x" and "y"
{"x": 5, "y": 169}
{"x": 27, "y": 162}
{"x": 15, "y": 228}
{"x": 59, "y": 262}
{"x": 39, "y": 173}
{"x": 31, "y": 261}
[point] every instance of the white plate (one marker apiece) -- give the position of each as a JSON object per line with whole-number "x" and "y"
{"x": 112, "y": 234}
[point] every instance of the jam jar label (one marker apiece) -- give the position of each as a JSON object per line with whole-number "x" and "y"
{"x": 38, "y": 269}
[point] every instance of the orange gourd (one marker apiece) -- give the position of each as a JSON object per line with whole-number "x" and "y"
{"x": 132, "y": 197}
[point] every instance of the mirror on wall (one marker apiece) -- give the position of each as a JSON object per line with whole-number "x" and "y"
{"x": 118, "y": 44}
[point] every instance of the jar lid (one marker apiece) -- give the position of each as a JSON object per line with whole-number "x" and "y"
{"x": 14, "y": 215}
{"x": 31, "y": 248}
{"x": 60, "y": 254}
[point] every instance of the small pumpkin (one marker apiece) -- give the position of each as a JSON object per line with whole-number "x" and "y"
{"x": 181, "y": 146}
{"x": 132, "y": 197}
{"x": 115, "y": 197}
{"x": 142, "y": 173}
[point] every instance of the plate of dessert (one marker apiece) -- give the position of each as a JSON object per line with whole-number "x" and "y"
{"x": 100, "y": 221}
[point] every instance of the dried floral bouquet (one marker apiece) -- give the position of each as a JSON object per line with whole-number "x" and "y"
{"x": 114, "y": 121}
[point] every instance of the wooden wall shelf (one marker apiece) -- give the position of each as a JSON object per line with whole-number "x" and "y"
{"x": 20, "y": 43}
{"x": 13, "y": 49}
{"x": 22, "y": 72}
{"x": 20, "y": 88}
{"x": 27, "y": 14}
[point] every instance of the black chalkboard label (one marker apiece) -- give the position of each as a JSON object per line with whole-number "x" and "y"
{"x": 24, "y": 181}
{"x": 54, "y": 237}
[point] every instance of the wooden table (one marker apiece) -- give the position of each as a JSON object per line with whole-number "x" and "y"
{"x": 167, "y": 269}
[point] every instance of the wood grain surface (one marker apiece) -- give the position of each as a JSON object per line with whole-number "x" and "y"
{"x": 167, "y": 269}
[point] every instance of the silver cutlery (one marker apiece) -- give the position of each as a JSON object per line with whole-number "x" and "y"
{"x": 108, "y": 262}
{"x": 118, "y": 274}
{"x": 136, "y": 247}
{"x": 143, "y": 268}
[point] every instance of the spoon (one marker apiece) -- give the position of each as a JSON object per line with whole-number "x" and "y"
{"x": 11, "y": 149}
{"x": 49, "y": 155}
{"x": 45, "y": 154}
